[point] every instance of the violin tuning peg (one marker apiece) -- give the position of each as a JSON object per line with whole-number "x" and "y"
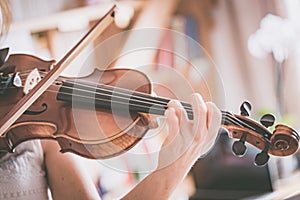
{"x": 239, "y": 148}
{"x": 267, "y": 120}
{"x": 245, "y": 108}
{"x": 262, "y": 158}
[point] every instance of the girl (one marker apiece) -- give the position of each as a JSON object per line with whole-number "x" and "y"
{"x": 38, "y": 165}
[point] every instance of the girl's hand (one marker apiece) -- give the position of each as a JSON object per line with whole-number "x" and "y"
{"x": 189, "y": 139}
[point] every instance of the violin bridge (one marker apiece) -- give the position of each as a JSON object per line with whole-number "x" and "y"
{"x": 31, "y": 81}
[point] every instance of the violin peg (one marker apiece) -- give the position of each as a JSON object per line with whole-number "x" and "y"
{"x": 262, "y": 158}
{"x": 267, "y": 120}
{"x": 239, "y": 148}
{"x": 245, "y": 108}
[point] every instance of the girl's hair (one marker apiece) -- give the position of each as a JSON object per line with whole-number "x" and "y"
{"x": 5, "y": 17}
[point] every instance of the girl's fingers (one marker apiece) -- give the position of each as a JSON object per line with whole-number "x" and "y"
{"x": 199, "y": 113}
{"x": 172, "y": 122}
{"x": 179, "y": 110}
{"x": 213, "y": 117}
{"x": 213, "y": 124}
{"x": 201, "y": 132}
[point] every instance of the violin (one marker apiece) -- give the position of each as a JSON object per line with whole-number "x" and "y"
{"x": 117, "y": 103}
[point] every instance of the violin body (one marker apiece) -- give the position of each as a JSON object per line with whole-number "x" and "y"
{"x": 84, "y": 129}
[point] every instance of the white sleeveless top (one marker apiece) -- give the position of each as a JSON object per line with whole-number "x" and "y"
{"x": 22, "y": 173}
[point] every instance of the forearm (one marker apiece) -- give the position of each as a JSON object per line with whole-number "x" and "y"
{"x": 67, "y": 178}
{"x": 160, "y": 184}
{"x": 187, "y": 142}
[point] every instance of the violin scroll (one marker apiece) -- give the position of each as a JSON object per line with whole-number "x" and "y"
{"x": 284, "y": 140}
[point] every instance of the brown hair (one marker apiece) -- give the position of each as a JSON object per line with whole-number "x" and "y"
{"x": 5, "y": 16}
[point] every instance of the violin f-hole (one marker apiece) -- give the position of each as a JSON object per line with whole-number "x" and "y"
{"x": 37, "y": 112}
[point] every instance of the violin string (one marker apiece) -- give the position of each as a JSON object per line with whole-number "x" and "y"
{"x": 137, "y": 96}
{"x": 119, "y": 95}
{"x": 123, "y": 91}
{"x": 92, "y": 87}
{"x": 159, "y": 101}
{"x": 227, "y": 117}
{"x": 231, "y": 118}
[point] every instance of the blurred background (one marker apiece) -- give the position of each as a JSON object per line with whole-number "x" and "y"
{"x": 230, "y": 51}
